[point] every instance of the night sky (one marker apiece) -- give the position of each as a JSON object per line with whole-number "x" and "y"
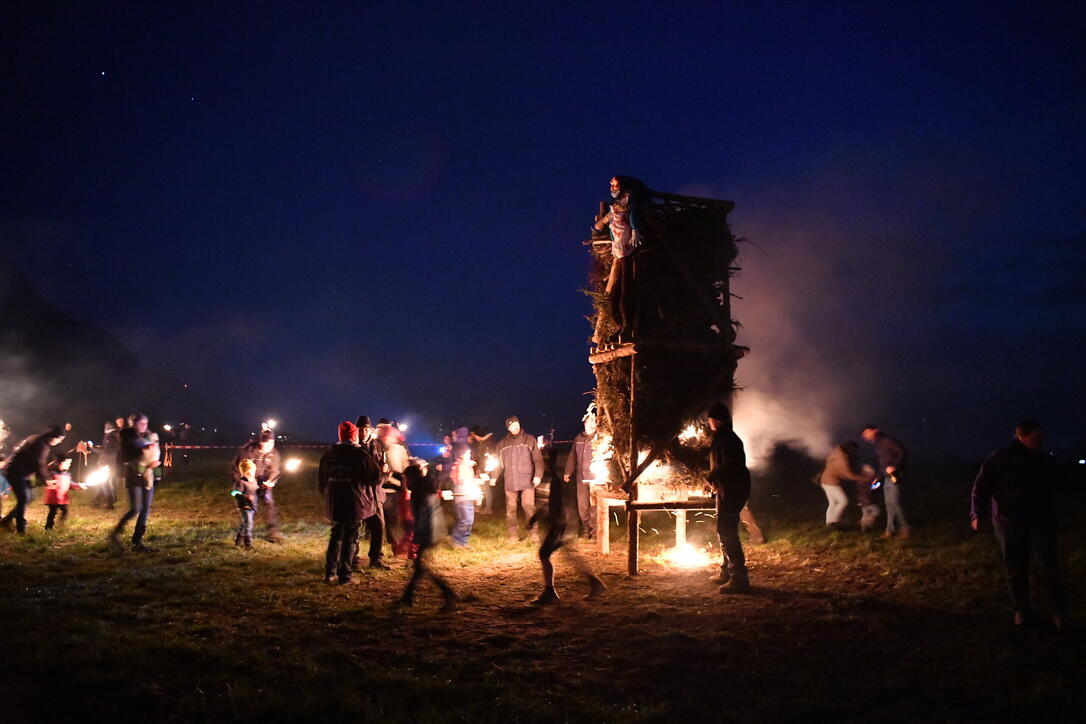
{"x": 314, "y": 211}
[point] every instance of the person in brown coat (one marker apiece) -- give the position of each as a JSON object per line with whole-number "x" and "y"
{"x": 837, "y": 470}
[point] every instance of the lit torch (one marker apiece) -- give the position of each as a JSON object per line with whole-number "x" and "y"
{"x": 292, "y": 465}
{"x": 97, "y": 477}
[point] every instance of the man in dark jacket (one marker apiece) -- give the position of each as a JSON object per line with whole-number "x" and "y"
{"x": 521, "y": 463}
{"x": 891, "y": 455}
{"x": 349, "y": 479}
{"x": 1020, "y": 482}
{"x": 30, "y": 458}
{"x": 266, "y": 457}
{"x": 579, "y": 469}
{"x": 730, "y": 478}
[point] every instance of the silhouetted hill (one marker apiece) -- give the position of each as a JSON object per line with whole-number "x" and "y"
{"x": 55, "y": 368}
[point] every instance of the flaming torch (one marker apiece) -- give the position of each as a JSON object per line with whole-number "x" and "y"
{"x": 292, "y": 465}
{"x": 99, "y": 476}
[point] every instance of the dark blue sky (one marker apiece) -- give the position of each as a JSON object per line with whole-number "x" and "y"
{"x": 315, "y": 212}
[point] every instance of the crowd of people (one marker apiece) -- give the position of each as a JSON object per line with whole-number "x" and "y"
{"x": 370, "y": 482}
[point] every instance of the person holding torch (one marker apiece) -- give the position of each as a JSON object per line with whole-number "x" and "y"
{"x": 730, "y": 478}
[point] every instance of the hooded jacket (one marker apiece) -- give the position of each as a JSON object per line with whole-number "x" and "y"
{"x": 520, "y": 460}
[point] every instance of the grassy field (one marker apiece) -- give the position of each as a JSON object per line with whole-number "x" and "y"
{"x": 841, "y": 625}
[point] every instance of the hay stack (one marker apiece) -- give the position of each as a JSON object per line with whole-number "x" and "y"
{"x": 683, "y": 355}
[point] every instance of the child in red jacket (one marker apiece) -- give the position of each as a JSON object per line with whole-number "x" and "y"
{"x": 56, "y": 490}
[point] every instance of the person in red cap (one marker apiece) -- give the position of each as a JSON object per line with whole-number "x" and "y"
{"x": 349, "y": 479}
{"x": 266, "y": 457}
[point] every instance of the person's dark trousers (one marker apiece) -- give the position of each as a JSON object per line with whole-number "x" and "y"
{"x": 106, "y": 493}
{"x": 265, "y": 500}
{"x": 1017, "y": 540}
{"x": 727, "y": 527}
{"x": 342, "y": 547}
{"x": 391, "y": 516}
{"x": 20, "y": 487}
{"x": 374, "y": 526}
{"x": 586, "y": 509}
{"x": 139, "y": 507}
{"x": 421, "y": 570}
{"x": 53, "y": 509}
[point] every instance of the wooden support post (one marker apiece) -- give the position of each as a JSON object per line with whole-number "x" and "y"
{"x": 603, "y": 524}
{"x": 680, "y": 528}
{"x": 633, "y": 519}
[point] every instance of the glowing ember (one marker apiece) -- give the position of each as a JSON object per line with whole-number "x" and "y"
{"x": 686, "y": 556}
{"x": 689, "y": 433}
{"x": 97, "y": 477}
{"x": 491, "y": 463}
{"x": 292, "y": 465}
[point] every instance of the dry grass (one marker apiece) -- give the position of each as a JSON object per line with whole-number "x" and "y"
{"x": 840, "y": 625}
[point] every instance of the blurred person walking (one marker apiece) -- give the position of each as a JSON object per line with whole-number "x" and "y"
{"x": 137, "y": 455}
{"x": 30, "y": 459}
{"x": 1020, "y": 483}
{"x": 429, "y": 530}
{"x": 481, "y": 443}
{"x": 105, "y": 494}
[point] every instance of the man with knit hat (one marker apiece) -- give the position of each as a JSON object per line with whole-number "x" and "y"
{"x": 730, "y": 477}
{"x": 349, "y": 479}
{"x": 266, "y": 457}
{"x": 520, "y": 461}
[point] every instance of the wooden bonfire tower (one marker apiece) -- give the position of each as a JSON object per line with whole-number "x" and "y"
{"x": 680, "y": 358}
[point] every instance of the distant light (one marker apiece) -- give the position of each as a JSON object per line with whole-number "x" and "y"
{"x": 103, "y": 74}
{"x": 272, "y": 424}
{"x": 1082, "y": 462}
{"x": 167, "y": 428}
{"x": 403, "y": 427}
{"x": 292, "y": 465}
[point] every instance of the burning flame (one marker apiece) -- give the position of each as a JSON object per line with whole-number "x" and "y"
{"x": 97, "y": 477}
{"x": 686, "y": 556}
{"x": 292, "y": 465}
{"x": 491, "y": 463}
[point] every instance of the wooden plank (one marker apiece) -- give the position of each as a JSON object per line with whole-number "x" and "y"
{"x": 632, "y": 524}
{"x": 625, "y": 350}
{"x": 680, "y": 528}
{"x": 707, "y": 504}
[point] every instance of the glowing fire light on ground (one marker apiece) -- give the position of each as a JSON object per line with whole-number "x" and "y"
{"x": 292, "y": 465}
{"x": 686, "y": 556}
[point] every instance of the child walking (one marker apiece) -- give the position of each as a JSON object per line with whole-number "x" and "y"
{"x": 244, "y": 492}
{"x": 56, "y": 490}
{"x": 465, "y": 494}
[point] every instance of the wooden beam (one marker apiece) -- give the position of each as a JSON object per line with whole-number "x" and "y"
{"x": 624, "y": 350}
{"x": 706, "y": 504}
{"x": 680, "y": 528}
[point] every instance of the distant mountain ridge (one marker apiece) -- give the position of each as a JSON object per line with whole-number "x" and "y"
{"x": 55, "y": 368}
